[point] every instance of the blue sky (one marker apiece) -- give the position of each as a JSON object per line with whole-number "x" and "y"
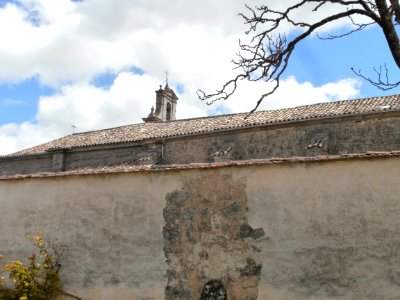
{"x": 65, "y": 63}
{"x": 19, "y": 100}
{"x": 322, "y": 61}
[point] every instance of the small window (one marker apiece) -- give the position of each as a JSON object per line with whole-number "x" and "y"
{"x": 213, "y": 290}
{"x": 169, "y": 108}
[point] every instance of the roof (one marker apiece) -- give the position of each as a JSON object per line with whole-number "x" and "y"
{"x": 161, "y": 130}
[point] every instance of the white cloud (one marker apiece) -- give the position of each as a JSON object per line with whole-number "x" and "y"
{"x": 291, "y": 93}
{"x": 69, "y": 43}
{"x": 130, "y": 97}
{"x": 19, "y": 136}
{"x": 88, "y": 107}
{"x": 74, "y": 41}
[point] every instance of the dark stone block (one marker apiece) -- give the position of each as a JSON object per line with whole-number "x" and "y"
{"x": 203, "y": 254}
{"x": 190, "y": 234}
{"x": 247, "y": 231}
{"x": 189, "y": 213}
{"x": 251, "y": 269}
{"x": 172, "y": 250}
{"x": 177, "y": 197}
{"x": 179, "y": 292}
{"x": 171, "y": 274}
{"x": 171, "y": 215}
{"x": 257, "y": 233}
{"x": 171, "y": 232}
{"x": 232, "y": 209}
{"x": 204, "y": 227}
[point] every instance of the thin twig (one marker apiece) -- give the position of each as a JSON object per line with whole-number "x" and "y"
{"x": 267, "y": 54}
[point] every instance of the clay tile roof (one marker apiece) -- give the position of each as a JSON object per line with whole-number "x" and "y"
{"x": 161, "y": 130}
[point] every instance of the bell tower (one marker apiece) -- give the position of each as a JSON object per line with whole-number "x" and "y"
{"x": 166, "y": 100}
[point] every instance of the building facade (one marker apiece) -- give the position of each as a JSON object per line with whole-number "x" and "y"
{"x": 333, "y": 128}
{"x": 291, "y": 204}
{"x": 294, "y": 229}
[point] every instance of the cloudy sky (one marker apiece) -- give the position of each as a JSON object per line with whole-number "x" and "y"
{"x": 97, "y": 63}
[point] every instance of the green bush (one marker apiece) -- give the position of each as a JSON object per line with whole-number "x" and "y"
{"x": 39, "y": 278}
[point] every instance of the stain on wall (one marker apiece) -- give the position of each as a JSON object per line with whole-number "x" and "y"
{"x": 207, "y": 239}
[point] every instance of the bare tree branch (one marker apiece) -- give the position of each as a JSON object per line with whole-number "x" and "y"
{"x": 358, "y": 27}
{"x": 382, "y": 81}
{"x": 267, "y": 54}
{"x": 390, "y": 32}
{"x": 395, "y": 10}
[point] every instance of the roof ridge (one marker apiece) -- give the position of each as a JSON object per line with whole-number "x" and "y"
{"x": 237, "y": 114}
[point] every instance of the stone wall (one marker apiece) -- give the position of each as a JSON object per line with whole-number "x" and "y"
{"x": 109, "y": 156}
{"x": 305, "y": 230}
{"x": 63, "y": 160}
{"x": 26, "y": 164}
{"x": 309, "y": 138}
{"x": 205, "y": 233}
{"x": 337, "y": 135}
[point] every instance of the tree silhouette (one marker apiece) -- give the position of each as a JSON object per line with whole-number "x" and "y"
{"x": 267, "y": 54}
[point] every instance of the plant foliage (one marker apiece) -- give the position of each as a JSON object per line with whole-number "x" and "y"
{"x": 38, "y": 278}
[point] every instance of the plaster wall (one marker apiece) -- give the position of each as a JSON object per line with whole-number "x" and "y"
{"x": 316, "y": 230}
{"x": 332, "y": 230}
{"x": 112, "y": 225}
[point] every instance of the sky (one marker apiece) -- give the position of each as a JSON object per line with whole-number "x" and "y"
{"x": 72, "y": 66}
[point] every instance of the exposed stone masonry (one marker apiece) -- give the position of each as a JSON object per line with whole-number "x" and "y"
{"x": 350, "y": 135}
{"x": 304, "y": 139}
{"x": 345, "y": 127}
{"x": 207, "y": 239}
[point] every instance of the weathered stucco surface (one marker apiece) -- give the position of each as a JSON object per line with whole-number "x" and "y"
{"x": 319, "y": 230}
{"x": 332, "y": 230}
{"x": 112, "y": 224}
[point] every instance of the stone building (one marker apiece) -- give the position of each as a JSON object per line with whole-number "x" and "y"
{"x": 298, "y": 203}
{"x": 332, "y": 128}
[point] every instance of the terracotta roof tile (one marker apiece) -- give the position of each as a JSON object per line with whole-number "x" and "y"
{"x": 160, "y": 130}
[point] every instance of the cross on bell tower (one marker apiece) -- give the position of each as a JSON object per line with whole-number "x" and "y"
{"x": 166, "y": 77}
